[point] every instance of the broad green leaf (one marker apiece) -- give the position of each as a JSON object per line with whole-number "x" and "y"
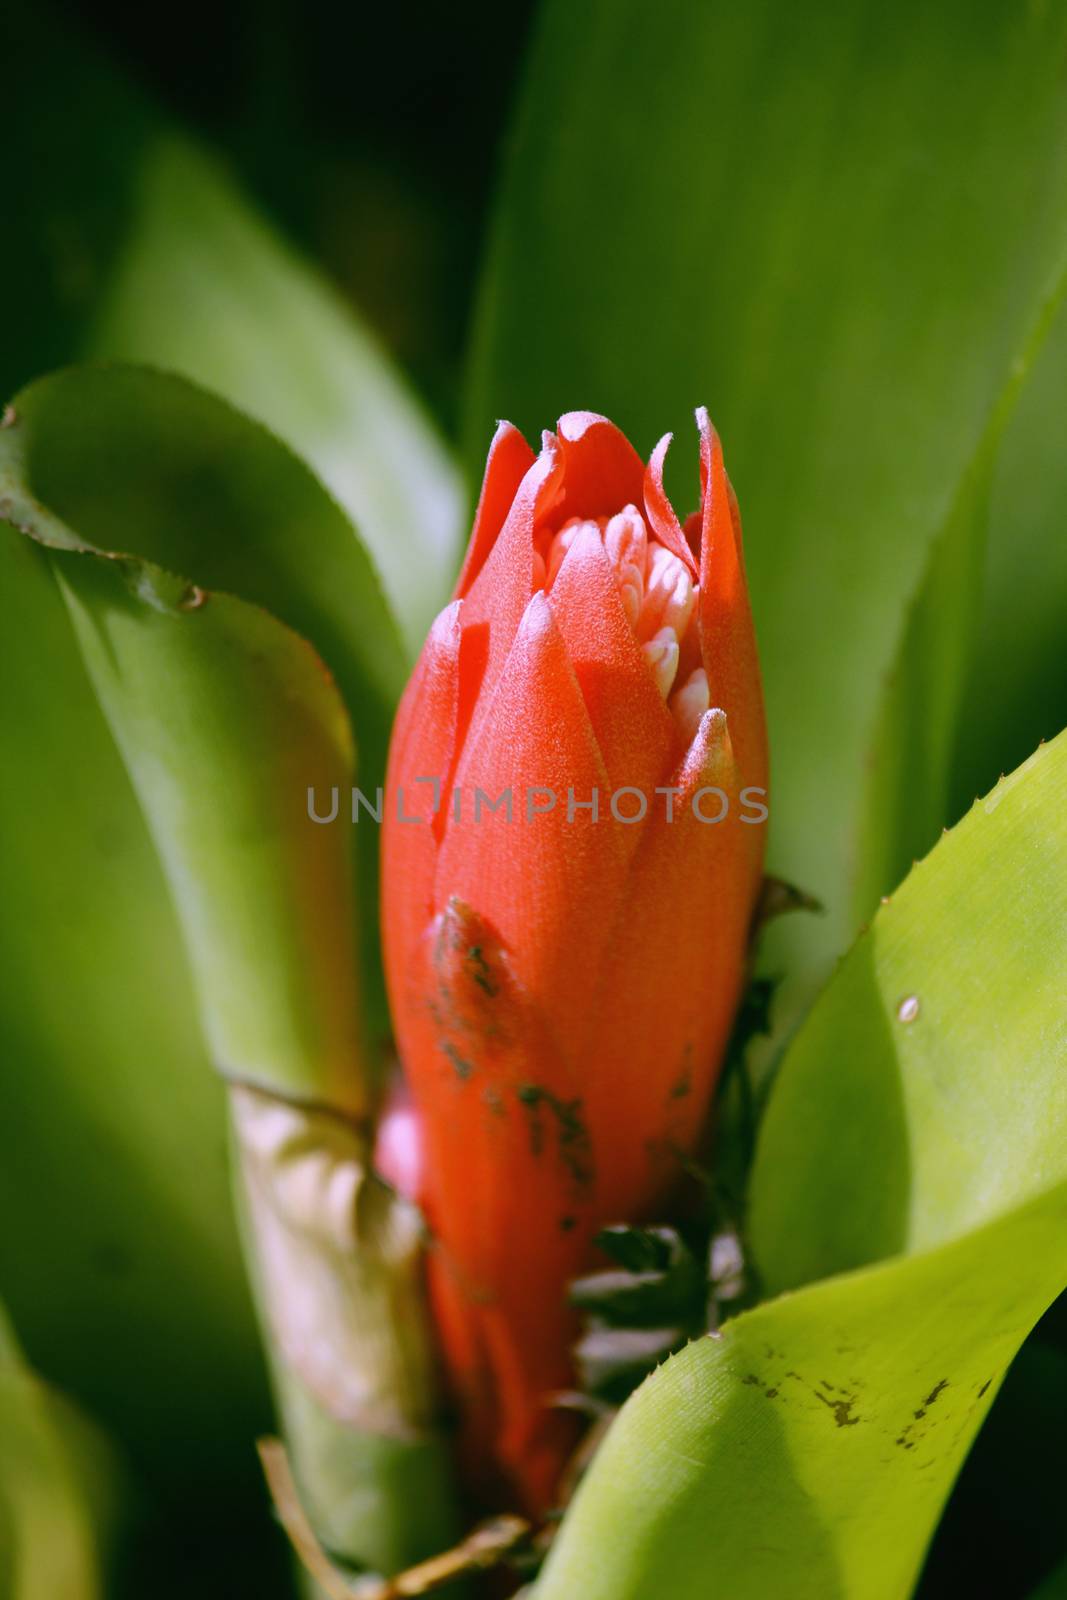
{"x": 888, "y": 1131}
{"x": 204, "y": 289}
{"x": 1002, "y": 1529}
{"x": 229, "y": 723}
{"x": 119, "y": 1259}
{"x": 910, "y": 767}
{"x": 224, "y": 719}
{"x": 812, "y": 220}
{"x": 48, "y": 1544}
{"x": 1016, "y": 692}
{"x": 807, "y": 1451}
{"x": 147, "y": 465}
{"x": 134, "y": 244}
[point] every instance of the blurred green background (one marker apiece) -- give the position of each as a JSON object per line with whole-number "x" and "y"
{"x": 375, "y": 139}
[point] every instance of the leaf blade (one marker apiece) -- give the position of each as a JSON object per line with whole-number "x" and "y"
{"x": 816, "y": 228}
{"x": 808, "y": 1451}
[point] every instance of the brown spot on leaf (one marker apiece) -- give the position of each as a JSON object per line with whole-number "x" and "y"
{"x": 842, "y": 1410}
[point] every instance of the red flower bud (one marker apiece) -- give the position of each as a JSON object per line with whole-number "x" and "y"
{"x": 563, "y": 978}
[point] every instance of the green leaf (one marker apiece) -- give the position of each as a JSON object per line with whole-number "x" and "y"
{"x": 926, "y": 1092}
{"x": 134, "y": 244}
{"x": 204, "y": 289}
{"x": 238, "y": 744}
{"x": 48, "y": 1542}
{"x": 910, "y": 766}
{"x": 1002, "y": 1529}
{"x": 812, "y": 222}
{"x": 225, "y": 717}
{"x": 120, "y": 1262}
{"x": 808, "y": 1450}
{"x": 922, "y": 1110}
{"x": 1016, "y": 692}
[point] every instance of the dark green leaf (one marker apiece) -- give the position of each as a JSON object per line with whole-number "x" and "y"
{"x": 129, "y": 242}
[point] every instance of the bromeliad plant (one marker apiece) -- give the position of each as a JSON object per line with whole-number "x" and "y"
{"x": 478, "y": 1215}
{"x": 563, "y": 983}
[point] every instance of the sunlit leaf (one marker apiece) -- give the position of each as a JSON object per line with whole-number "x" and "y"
{"x": 926, "y": 1092}
{"x": 149, "y": 466}
{"x": 921, "y": 1114}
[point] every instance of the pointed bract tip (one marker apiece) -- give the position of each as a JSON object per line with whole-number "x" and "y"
{"x": 537, "y": 617}
{"x": 503, "y": 429}
{"x": 713, "y": 734}
{"x": 445, "y": 625}
{"x": 661, "y": 513}
{"x": 550, "y": 455}
{"x": 573, "y": 425}
{"x": 710, "y": 443}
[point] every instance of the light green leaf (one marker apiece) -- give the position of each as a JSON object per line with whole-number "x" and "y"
{"x": 926, "y": 1092}
{"x": 48, "y": 1543}
{"x": 225, "y": 718}
{"x": 808, "y": 1450}
{"x": 134, "y": 244}
{"x": 812, "y": 221}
